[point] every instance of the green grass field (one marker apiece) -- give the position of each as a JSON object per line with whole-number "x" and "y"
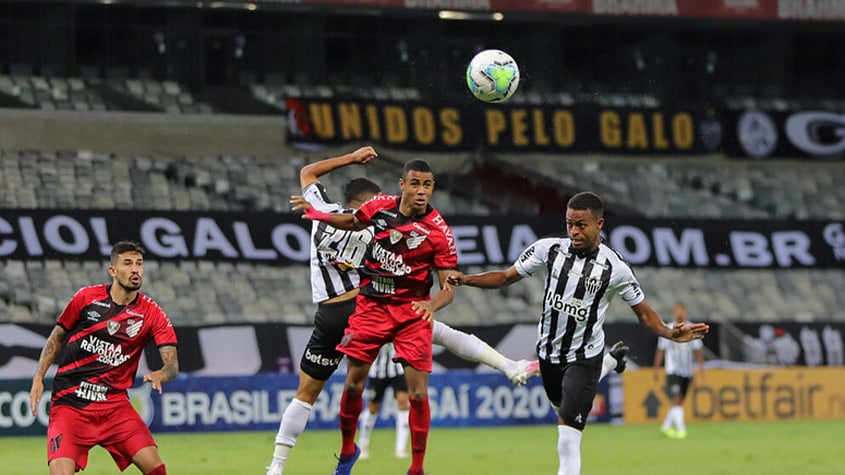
{"x": 804, "y": 447}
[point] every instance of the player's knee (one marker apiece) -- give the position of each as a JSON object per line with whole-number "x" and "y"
{"x": 572, "y": 418}
{"x": 160, "y": 470}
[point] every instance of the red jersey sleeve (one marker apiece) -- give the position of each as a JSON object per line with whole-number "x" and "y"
{"x": 163, "y": 332}
{"x": 162, "y": 328}
{"x": 72, "y": 313}
{"x": 446, "y": 254}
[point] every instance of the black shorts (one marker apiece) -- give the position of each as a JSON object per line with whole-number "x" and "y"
{"x": 321, "y": 357}
{"x": 379, "y": 385}
{"x": 572, "y": 387}
{"x": 677, "y": 385}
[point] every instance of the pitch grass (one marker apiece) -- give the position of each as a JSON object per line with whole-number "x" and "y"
{"x": 808, "y": 447}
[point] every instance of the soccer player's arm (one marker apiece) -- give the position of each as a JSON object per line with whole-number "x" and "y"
{"x": 54, "y": 343}
{"x": 346, "y": 221}
{"x": 649, "y": 318}
{"x": 165, "y": 337}
{"x": 493, "y": 279}
{"x": 169, "y": 368}
{"x": 529, "y": 260}
{"x": 427, "y": 308}
{"x": 312, "y": 172}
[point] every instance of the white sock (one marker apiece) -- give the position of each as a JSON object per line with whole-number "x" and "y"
{"x": 368, "y": 422}
{"x": 667, "y": 421}
{"x": 469, "y": 347}
{"x": 293, "y": 423}
{"x": 608, "y": 364}
{"x": 402, "y": 431}
{"x": 568, "y": 450}
{"x": 679, "y": 418}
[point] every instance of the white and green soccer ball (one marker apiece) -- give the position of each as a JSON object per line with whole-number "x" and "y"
{"x": 492, "y": 75}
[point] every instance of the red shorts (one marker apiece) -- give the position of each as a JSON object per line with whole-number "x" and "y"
{"x": 72, "y": 432}
{"x": 375, "y": 323}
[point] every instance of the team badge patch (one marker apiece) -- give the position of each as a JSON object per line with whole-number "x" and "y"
{"x": 395, "y": 236}
{"x": 592, "y": 284}
{"x": 415, "y": 240}
{"x": 113, "y": 327}
{"x": 133, "y": 327}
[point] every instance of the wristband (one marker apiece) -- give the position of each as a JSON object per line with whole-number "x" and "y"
{"x": 316, "y": 215}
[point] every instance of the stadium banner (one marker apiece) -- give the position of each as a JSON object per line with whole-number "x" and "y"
{"x": 220, "y": 403}
{"x": 468, "y": 126}
{"x": 284, "y": 239}
{"x": 765, "y": 393}
{"x": 777, "y": 134}
{"x": 816, "y": 10}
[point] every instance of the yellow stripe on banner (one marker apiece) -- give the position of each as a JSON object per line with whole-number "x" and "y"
{"x": 740, "y": 395}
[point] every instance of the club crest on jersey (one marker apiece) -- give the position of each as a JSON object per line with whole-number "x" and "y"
{"x": 112, "y": 327}
{"x": 415, "y": 240}
{"x": 133, "y": 327}
{"x": 593, "y": 284}
{"x": 395, "y": 236}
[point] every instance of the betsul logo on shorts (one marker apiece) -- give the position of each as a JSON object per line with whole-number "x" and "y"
{"x": 320, "y": 360}
{"x": 817, "y": 133}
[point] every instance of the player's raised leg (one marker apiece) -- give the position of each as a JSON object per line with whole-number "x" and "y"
{"x": 472, "y": 348}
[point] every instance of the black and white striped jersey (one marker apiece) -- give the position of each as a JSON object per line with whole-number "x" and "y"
{"x": 384, "y": 367}
{"x": 335, "y": 253}
{"x": 578, "y": 291}
{"x": 678, "y": 358}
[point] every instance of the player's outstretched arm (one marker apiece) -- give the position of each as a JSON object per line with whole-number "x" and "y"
{"x": 680, "y": 332}
{"x": 346, "y": 221}
{"x": 54, "y": 343}
{"x": 169, "y": 369}
{"x": 493, "y": 279}
{"x": 313, "y": 171}
{"x": 426, "y": 308}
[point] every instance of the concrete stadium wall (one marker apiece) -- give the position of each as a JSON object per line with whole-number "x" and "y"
{"x": 142, "y": 133}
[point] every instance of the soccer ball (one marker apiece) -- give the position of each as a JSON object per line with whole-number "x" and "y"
{"x": 492, "y": 75}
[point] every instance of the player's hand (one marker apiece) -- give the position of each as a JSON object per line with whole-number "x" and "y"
{"x": 683, "y": 332}
{"x": 300, "y": 204}
{"x": 364, "y": 155}
{"x": 155, "y": 379}
{"x": 35, "y": 395}
{"x": 424, "y": 309}
{"x": 456, "y": 278}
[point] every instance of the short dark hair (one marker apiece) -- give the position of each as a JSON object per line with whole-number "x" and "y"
{"x": 122, "y": 247}
{"x": 587, "y": 200}
{"x": 360, "y": 189}
{"x": 417, "y": 165}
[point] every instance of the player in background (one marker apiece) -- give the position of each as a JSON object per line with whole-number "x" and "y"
{"x": 104, "y": 329}
{"x": 679, "y": 374}
{"x": 335, "y": 256}
{"x": 582, "y": 275}
{"x": 412, "y": 244}
{"x": 385, "y": 373}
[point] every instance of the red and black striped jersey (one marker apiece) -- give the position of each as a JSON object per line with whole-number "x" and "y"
{"x": 405, "y": 251}
{"x": 104, "y": 345}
